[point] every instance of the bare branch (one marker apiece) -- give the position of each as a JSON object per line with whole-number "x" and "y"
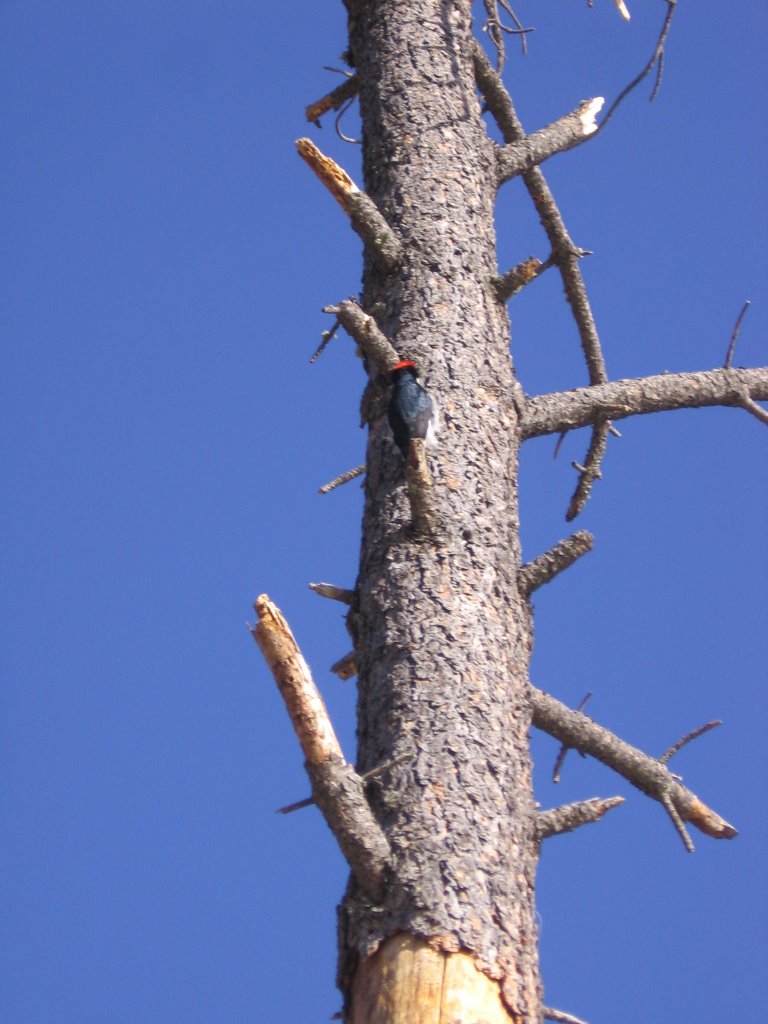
{"x": 563, "y": 751}
{"x": 677, "y": 821}
{"x": 656, "y": 59}
{"x": 339, "y": 793}
{"x": 571, "y": 130}
{"x": 363, "y": 328}
{"x": 645, "y": 773}
{"x": 665, "y": 757}
{"x": 590, "y": 471}
{"x": 334, "y": 100}
{"x": 343, "y": 478}
{"x": 333, "y": 592}
{"x": 735, "y": 334}
{"x": 545, "y": 567}
{"x": 379, "y": 238}
{"x": 336, "y": 787}
{"x": 564, "y": 253}
{"x": 570, "y": 816}
{"x": 568, "y": 410}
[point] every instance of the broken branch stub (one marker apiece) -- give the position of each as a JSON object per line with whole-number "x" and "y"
{"x": 301, "y": 697}
{"x": 336, "y": 788}
{"x": 363, "y": 213}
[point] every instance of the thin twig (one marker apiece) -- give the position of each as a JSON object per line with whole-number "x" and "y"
{"x": 337, "y": 124}
{"x": 687, "y": 739}
{"x": 344, "y": 478}
{"x": 666, "y": 801}
{"x": 380, "y": 769}
{"x": 568, "y": 817}
{"x": 341, "y": 95}
{"x": 298, "y": 806}
{"x": 561, "y": 754}
{"x": 375, "y": 345}
{"x": 560, "y": 1016}
{"x": 590, "y": 471}
{"x": 656, "y": 58}
{"x": 494, "y": 26}
{"x": 326, "y": 337}
{"x": 367, "y": 777}
{"x": 333, "y": 592}
{"x": 751, "y": 406}
{"x": 735, "y": 334}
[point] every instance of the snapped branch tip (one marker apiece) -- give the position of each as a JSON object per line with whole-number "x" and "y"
{"x": 588, "y": 113}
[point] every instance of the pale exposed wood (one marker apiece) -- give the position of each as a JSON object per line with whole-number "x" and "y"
{"x": 518, "y": 157}
{"x": 302, "y": 698}
{"x": 408, "y": 981}
{"x": 334, "y": 177}
{"x": 470, "y": 996}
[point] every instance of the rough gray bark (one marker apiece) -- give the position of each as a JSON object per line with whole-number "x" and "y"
{"x": 442, "y": 632}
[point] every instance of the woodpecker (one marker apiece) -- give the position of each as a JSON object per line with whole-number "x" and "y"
{"x": 412, "y": 412}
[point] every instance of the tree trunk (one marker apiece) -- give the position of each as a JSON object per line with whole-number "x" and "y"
{"x": 442, "y": 633}
{"x": 438, "y": 821}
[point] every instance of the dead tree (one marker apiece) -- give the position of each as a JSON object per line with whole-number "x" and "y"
{"x": 437, "y": 818}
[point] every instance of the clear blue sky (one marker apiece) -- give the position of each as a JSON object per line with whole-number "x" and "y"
{"x": 166, "y": 259}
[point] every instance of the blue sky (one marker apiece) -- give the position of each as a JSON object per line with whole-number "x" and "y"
{"x": 167, "y": 256}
